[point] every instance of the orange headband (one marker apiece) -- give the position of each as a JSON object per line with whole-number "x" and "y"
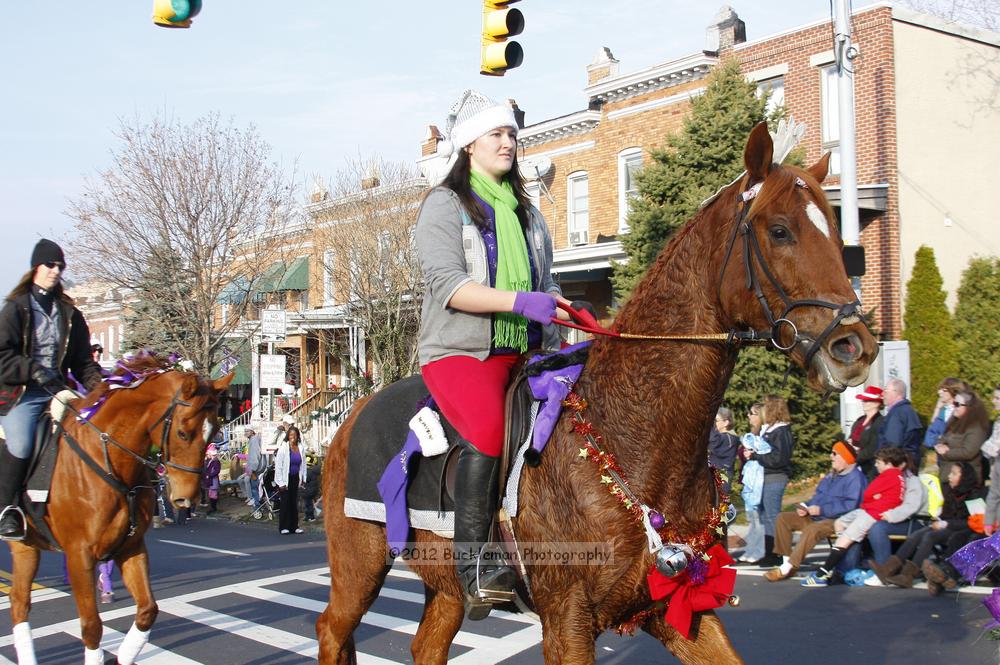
{"x": 845, "y": 451}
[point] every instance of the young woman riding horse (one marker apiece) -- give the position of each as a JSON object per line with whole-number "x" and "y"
{"x": 42, "y": 336}
{"x": 475, "y": 326}
{"x": 764, "y": 256}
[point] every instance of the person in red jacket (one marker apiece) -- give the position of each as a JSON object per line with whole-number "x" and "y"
{"x": 884, "y": 493}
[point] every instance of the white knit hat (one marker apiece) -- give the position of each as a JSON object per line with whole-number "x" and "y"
{"x": 473, "y": 115}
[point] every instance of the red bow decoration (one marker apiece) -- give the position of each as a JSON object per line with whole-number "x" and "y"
{"x": 686, "y": 597}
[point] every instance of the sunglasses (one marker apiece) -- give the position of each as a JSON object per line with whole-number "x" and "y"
{"x": 52, "y": 265}
{"x": 958, "y": 404}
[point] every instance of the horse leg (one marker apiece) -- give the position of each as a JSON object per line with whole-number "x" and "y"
{"x": 442, "y": 617}
{"x": 709, "y": 644}
{"x": 134, "y": 564}
{"x": 25, "y": 560}
{"x": 80, "y": 564}
{"x": 357, "y": 571}
{"x": 568, "y": 631}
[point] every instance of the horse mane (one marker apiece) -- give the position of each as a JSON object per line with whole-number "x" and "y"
{"x": 144, "y": 361}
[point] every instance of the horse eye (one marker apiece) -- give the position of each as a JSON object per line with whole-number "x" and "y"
{"x": 182, "y": 435}
{"x": 780, "y": 233}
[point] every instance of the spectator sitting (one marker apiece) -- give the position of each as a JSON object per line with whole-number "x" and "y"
{"x": 839, "y": 492}
{"x": 966, "y": 431}
{"x": 905, "y": 566}
{"x": 884, "y": 493}
{"x": 901, "y": 427}
{"x": 864, "y": 431}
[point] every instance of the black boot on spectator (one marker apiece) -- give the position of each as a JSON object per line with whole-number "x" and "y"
{"x": 770, "y": 558}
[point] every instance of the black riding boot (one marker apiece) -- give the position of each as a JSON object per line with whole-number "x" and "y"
{"x": 12, "y": 472}
{"x": 476, "y": 485}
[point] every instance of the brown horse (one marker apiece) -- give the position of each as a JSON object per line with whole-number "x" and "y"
{"x": 89, "y": 506}
{"x": 730, "y": 268}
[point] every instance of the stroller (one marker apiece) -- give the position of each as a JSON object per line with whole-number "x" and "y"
{"x": 270, "y": 497}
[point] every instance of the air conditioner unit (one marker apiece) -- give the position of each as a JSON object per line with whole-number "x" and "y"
{"x": 578, "y": 238}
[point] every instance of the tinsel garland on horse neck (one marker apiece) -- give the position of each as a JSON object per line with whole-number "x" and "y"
{"x": 656, "y": 423}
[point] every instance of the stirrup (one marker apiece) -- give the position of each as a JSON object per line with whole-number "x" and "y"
{"x": 24, "y": 523}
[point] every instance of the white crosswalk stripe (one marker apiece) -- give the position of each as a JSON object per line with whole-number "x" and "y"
{"x": 479, "y": 648}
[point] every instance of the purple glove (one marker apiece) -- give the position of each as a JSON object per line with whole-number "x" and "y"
{"x": 535, "y": 305}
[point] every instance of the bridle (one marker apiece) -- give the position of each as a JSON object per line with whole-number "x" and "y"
{"x": 161, "y": 464}
{"x": 754, "y": 262}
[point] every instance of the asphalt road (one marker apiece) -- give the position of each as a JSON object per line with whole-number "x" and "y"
{"x": 232, "y": 594}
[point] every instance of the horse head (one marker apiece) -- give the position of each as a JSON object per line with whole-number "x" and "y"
{"x": 784, "y": 271}
{"x": 189, "y": 406}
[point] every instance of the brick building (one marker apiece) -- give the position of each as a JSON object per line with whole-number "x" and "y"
{"x": 925, "y": 105}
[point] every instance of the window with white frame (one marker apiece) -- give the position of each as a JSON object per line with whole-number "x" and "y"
{"x": 830, "y": 103}
{"x": 329, "y": 297}
{"x": 629, "y": 164}
{"x": 121, "y": 335}
{"x": 578, "y": 208}
{"x": 776, "y": 88}
{"x": 111, "y": 341}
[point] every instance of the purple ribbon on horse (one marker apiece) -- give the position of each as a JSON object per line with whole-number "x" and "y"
{"x": 551, "y": 387}
{"x": 975, "y": 556}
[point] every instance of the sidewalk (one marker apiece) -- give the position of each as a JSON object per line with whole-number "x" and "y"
{"x": 235, "y": 509}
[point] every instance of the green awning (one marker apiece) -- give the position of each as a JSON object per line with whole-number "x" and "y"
{"x": 297, "y": 276}
{"x": 268, "y": 281}
{"x": 233, "y": 293}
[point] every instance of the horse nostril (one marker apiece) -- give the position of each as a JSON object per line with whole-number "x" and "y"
{"x": 846, "y": 349}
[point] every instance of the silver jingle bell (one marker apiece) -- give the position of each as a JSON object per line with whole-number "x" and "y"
{"x": 734, "y": 601}
{"x": 671, "y": 560}
{"x": 730, "y": 514}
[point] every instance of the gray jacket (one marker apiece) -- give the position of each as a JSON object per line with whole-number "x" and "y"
{"x": 452, "y": 253}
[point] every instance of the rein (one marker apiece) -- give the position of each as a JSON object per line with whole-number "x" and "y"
{"x": 752, "y": 253}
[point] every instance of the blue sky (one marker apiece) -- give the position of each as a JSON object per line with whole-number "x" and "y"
{"x": 323, "y": 81}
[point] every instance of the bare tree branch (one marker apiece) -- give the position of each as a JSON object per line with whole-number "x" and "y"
{"x": 185, "y": 217}
{"x": 371, "y": 258}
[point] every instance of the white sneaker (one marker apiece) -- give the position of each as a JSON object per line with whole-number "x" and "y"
{"x": 249, "y": 502}
{"x": 284, "y": 532}
{"x": 873, "y": 581}
{"x": 299, "y": 531}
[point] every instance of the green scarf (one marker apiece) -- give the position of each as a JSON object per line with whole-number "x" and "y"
{"x": 510, "y": 331}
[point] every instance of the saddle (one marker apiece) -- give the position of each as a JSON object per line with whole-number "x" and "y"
{"x": 33, "y": 501}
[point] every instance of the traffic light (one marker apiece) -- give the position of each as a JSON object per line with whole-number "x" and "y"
{"x": 175, "y": 13}
{"x": 499, "y": 23}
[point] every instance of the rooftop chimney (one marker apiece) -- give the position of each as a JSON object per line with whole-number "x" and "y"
{"x": 726, "y": 31}
{"x": 602, "y": 66}
{"x": 518, "y": 113}
{"x": 430, "y": 144}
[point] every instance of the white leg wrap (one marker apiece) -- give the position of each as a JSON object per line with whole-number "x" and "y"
{"x": 133, "y": 643}
{"x": 93, "y": 656}
{"x": 23, "y": 644}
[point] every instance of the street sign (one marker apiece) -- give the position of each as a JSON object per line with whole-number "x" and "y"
{"x": 272, "y": 371}
{"x": 273, "y": 326}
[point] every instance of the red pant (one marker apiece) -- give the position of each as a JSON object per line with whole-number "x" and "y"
{"x": 470, "y": 394}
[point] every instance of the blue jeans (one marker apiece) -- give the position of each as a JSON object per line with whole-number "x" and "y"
{"x": 754, "y": 549}
{"x": 770, "y": 502}
{"x": 20, "y": 423}
{"x": 878, "y": 539}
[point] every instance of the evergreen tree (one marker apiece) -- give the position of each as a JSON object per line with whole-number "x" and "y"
{"x": 156, "y": 321}
{"x": 928, "y": 327}
{"x": 976, "y": 317}
{"x": 705, "y": 155}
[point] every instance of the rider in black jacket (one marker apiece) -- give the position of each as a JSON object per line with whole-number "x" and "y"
{"x": 42, "y": 336}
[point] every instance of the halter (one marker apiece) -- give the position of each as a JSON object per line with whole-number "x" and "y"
{"x": 752, "y": 251}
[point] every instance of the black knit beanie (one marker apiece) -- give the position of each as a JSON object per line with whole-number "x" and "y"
{"x": 46, "y": 251}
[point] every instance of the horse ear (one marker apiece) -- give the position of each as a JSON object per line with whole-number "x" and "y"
{"x": 189, "y": 385}
{"x": 820, "y": 169}
{"x": 759, "y": 152}
{"x": 220, "y": 385}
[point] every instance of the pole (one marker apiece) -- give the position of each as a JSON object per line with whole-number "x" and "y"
{"x": 845, "y": 53}
{"x": 270, "y": 390}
